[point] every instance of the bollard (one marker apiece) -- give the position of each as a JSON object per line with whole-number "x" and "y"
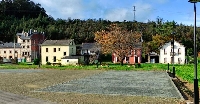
{"x": 174, "y": 73}
{"x": 168, "y": 67}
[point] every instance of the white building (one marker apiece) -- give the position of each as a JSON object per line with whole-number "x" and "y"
{"x": 10, "y": 51}
{"x": 166, "y": 53}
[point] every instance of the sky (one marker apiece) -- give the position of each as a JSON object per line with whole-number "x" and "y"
{"x": 181, "y": 11}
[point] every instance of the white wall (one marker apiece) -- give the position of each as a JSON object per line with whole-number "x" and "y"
{"x": 168, "y": 48}
{"x": 69, "y": 61}
{"x": 24, "y": 47}
{"x": 10, "y": 52}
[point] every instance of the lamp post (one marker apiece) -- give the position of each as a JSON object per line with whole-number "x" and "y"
{"x": 196, "y": 88}
{"x": 173, "y": 70}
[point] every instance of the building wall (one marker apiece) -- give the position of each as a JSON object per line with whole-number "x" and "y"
{"x": 87, "y": 51}
{"x": 36, "y": 39}
{"x": 69, "y": 61}
{"x": 179, "y": 57}
{"x": 69, "y": 50}
{"x": 30, "y": 45}
{"x": 25, "y": 47}
{"x": 10, "y": 53}
{"x": 136, "y": 53}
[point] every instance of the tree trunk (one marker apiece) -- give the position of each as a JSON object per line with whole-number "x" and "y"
{"x": 122, "y": 62}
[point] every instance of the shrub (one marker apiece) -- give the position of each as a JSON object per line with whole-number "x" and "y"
{"x": 36, "y": 61}
{"x": 48, "y": 63}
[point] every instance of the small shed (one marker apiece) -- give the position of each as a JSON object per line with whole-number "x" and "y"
{"x": 153, "y": 57}
{"x": 71, "y": 60}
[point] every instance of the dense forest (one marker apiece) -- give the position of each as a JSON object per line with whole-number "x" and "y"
{"x": 19, "y": 15}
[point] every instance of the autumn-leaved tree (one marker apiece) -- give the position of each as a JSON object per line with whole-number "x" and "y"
{"x": 117, "y": 40}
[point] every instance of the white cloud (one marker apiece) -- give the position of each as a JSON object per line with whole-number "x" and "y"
{"x": 83, "y": 9}
{"x": 118, "y": 15}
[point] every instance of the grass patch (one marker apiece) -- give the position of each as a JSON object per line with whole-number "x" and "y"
{"x": 186, "y": 72}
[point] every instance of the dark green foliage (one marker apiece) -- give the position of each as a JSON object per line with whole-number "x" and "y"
{"x": 30, "y": 15}
{"x": 36, "y": 61}
{"x": 48, "y": 63}
{"x": 106, "y": 58}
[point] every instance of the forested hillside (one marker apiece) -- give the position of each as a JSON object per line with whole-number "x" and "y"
{"x": 19, "y": 15}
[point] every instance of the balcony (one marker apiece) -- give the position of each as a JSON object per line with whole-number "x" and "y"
{"x": 171, "y": 54}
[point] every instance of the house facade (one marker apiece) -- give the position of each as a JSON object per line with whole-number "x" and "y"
{"x": 10, "y": 51}
{"x": 135, "y": 55}
{"x": 54, "y": 50}
{"x": 30, "y": 44}
{"x": 89, "y": 48}
{"x": 166, "y": 53}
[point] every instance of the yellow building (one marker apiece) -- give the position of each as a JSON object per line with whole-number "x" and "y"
{"x": 53, "y": 50}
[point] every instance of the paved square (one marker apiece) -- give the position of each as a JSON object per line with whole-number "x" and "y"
{"x": 128, "y": 83}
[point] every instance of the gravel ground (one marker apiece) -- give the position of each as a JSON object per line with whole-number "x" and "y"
{"x": 129, "y": 83}
{"x": 27, "y": 82}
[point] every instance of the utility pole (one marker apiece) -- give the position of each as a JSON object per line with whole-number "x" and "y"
{"x": 134, "y": 12}
{"x": 14, "y": 48}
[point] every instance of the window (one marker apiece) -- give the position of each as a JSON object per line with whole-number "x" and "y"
{"x": 67, "y": 60}
{"x": 28, "y": 53}
{"x": 179, "y": 60}
{"x": 58, "y": 49}
{"x": 10, "y": 51}
{"x": 54, "y": 58}
{"x": 47, "y": 59}
{"x": 165, "y": 60}
{"x": 25, "y": 53}
{"x": 27, "y": 40}
{"x": 23, "y": 40}
{"x": 47, "y": 50}
{"x": 165, "y": 52}
{"x": 179, "y": 51}
{"x": 54, "y": 50}
{"x": 27, "y": 46}
{"x": 64, "y": 54}
{"x": 16, "y": 52}
{"x": 4, "y": 51}
{"x": 23, "y": 46}
{"x": 72, "y": 50}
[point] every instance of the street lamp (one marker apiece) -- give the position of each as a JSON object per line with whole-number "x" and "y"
{"x": 172, "y": 43}
{"x": 196, "y": 88}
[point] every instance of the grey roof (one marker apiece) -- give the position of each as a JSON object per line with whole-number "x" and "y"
{"x": 57, "y": 42}
{"x": 91, "y": 46}
{"x": 153, "y": 54}
{"x": 138, "y": 45}
{"x": 23, "y": 37}
{"x": 169, "y": 42}
{"x": 71, "y": 57}
{"x": 10, "y": 45}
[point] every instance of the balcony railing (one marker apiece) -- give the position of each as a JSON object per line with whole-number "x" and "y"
{"x": 171, "y": 54}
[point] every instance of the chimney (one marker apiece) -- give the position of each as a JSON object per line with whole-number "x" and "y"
{"x": 30, "y": 32}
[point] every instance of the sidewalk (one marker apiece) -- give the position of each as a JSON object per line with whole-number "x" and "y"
{"x": 10, "y": 98}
